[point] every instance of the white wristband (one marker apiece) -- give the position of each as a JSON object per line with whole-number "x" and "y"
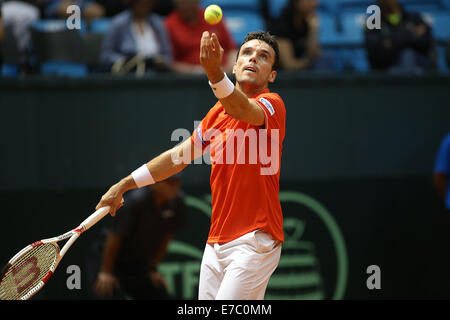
{"x": 223, "y": 88}
{"x": 142, "y": 176}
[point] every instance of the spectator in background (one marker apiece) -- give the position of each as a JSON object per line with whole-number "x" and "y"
{"x": 164, "y": 7}
{"x": 297, "y": 31}
{"x": 1, "y": 22}
{"x": 447, "y": 54}
{"x": 441, "y": 176}
{"x": 103, "y": 8}
{"x": 95, "y": 9}
{"x": 404, "y": 42}
{"x": 185, "y": 26}
{"x": 91, "y": 9}
{"x": 1, "y": 33}
{"x": 124, "y": 265}
{"x": 17, "y": 17}
{"x": 57, "y": 9}
{"x": 136, "y": 35}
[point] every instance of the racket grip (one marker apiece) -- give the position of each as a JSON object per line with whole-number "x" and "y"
{"x": 94, "y": 218}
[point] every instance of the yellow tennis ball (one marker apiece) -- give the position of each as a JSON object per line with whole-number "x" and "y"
{"x": 213, "y": 14}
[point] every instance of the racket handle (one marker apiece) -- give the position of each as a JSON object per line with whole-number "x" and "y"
{"x": 94, "y": 218}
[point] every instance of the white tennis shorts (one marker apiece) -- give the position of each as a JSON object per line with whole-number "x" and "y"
{"x": 240, "y": 269}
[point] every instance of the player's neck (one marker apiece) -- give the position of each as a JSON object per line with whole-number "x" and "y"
{"x": 250, "y": 89}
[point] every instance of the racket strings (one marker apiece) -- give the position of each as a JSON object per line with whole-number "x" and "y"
{"x": 27, "y": 271}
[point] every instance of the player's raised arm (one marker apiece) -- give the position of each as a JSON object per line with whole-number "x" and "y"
{"x": 254, "y": 65}
{"x": 160, "y": 168}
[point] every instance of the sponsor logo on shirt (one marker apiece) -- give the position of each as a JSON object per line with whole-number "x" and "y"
{"x": 199, "y": 132}
{"x": 268, "y": 105}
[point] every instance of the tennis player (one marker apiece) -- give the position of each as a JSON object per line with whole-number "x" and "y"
{"x": 244, "y": 242}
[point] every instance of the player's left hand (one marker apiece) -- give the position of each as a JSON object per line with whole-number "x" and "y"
{"x": 211, "y": 53}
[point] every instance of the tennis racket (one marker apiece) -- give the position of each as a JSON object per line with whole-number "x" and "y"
{"x": 27, "y": 272}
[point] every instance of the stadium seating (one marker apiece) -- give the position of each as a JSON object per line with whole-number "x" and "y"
{"x": 328, "y": 32}
{"x": 240, "y": 16}
{"x": 54, "y": 25}
{"x": 92, "y": 43}
{"x": 252, "y": 5}
{"x": 422, "y": 5}
{"x": 352, "y": 59}
{"x": 440, "y": 23}
{"x": 353, "y": 5}
{"x": 446, "y": 4}
{"x": 275, "y": 7}
{"x": 10, "y": 55}
{"x": 241, "y": 22}
{"x": 353, "y": 24}
{"x": 100, "y": 25}
{"x": 58, "y": 50}
{"x": 73, "y": 52}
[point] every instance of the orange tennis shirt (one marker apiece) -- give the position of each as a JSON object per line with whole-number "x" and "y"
{"x": 245, "y": 169}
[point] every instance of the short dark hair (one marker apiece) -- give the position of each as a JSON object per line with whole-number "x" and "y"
{"x": 267, "y": 38}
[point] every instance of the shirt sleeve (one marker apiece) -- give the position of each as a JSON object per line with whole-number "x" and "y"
{"x": 443, "y": 157}
{"x": 274, "y": 111}
{"x": 197, "y": 137}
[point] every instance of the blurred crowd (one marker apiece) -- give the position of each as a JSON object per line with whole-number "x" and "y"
{"x": 145, "y": 36}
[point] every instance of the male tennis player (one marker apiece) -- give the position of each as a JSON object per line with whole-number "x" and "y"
{"x": 244, "y": 243}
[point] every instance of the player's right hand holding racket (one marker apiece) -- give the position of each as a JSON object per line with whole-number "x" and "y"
{"x": 113, "y": 198}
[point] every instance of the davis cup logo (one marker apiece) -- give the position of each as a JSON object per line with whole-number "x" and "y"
{"x": 313, "y": 264}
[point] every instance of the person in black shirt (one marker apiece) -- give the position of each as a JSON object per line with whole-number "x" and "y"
{"x": 402, "y": 44}
{"x": 125, "y": 264}
{"x": 297, "y": 31}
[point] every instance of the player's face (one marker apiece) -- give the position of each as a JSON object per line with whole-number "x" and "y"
{"x": 254, "y": 63}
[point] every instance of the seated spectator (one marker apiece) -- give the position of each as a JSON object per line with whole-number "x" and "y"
{"x": 17, "y": 17}
{"x": 91, "y": 9}
{"x": 297, "y": 31}
{"x": 404, "y": 42}
{"x": 441, "y": 174}
{"x": 185, "y": 26}
{"x": 1, "y": 23}
{"x": 138, "y": 35}
{"x": 57, "y": 9}
{"x": 447, "y": 54}
{"x": 103, "y": 8}
{"x": 1, "y": 34}
{"x": 94, "y": 9}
